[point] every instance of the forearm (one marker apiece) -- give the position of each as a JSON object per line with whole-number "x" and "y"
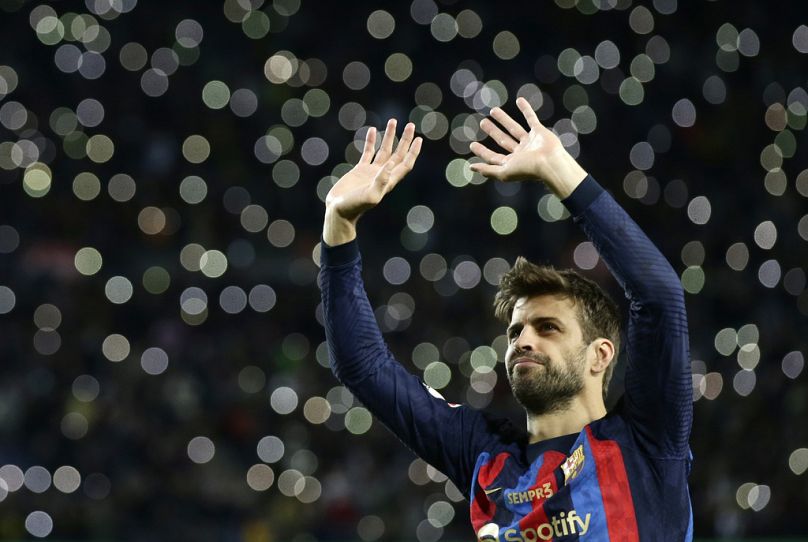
{"x": 640, "y": 268}
{"x": 356, "y": 345}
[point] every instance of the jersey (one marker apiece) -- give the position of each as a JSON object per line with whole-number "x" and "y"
{"x": 622, "y": 478}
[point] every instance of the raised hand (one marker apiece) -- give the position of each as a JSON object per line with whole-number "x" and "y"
{"x": 531, "y": 155}
{"x": 364, "y": 186}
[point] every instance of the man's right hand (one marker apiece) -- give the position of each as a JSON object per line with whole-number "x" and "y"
{"x": 362, "y": 188}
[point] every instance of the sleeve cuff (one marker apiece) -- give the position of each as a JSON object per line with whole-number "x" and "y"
{"x": 338, "y": 255}
{"x": 583, "y": 195}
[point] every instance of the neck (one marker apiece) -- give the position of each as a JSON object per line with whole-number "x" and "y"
{"x": 570, "y": 420}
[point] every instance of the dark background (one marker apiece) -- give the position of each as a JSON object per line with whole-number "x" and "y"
{"x": 132, "y": 443}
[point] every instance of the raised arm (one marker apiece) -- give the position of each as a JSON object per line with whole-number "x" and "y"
{"x": 360, "y": 359}
{"x": 658, "y": 397}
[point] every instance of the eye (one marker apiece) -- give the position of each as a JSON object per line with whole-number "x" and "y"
{"x": 513, "y": 333}
{"x": 547, "y": 326}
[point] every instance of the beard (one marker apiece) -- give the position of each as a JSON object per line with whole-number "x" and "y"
{"x": 550, "y": 388}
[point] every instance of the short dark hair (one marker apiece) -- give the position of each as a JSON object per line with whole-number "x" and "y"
{"x": 598, "y": 314}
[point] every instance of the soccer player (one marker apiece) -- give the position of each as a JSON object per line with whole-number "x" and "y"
{"x": 578, "y": 471}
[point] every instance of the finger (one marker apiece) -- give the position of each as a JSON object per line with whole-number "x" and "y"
{"x": 405, "y": 142}
{"x": 488, "y": 170}
{"x": 402, "y": 168}
{"x": 387, "y": 143}
{"x": 494, "y": 132}
{"x": 412, "y": 155}
{"x": 370, "y": 146}
{"x": 530, "y": 115}
{"x": 513, "y": 127}
{"x": 487, "y": 154}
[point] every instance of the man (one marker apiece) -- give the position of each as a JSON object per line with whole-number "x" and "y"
{"x": 579, "y": 472}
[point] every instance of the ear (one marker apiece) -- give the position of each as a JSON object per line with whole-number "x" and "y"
{"x": 604, "y": 354}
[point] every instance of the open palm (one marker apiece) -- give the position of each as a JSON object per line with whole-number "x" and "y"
{"x": 376, "y": 173}
{"x": 527, "y": 151}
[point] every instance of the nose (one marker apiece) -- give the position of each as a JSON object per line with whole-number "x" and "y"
{"x": 526, "y": 341}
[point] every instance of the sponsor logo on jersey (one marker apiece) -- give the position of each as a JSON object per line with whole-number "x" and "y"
{"x": 537, "y": 493}
{"x": 574, "y": 464}
{"x": 564, "y": 524}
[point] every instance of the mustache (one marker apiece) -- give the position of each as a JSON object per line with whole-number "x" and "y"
{"x": 538, "y": 358}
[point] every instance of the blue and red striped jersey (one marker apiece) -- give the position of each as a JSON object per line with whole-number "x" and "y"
{"x": 622, "y": 478}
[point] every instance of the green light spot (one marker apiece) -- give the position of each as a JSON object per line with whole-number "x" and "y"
{"x": 693, "y": 279}
{"x": 358, "y": 420}
{"x": 156, "y": 280}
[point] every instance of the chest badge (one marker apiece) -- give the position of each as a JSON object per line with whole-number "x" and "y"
{"x": 574, "y": 464}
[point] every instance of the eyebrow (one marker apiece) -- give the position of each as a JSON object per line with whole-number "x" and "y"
{"x": 535, "y": 321}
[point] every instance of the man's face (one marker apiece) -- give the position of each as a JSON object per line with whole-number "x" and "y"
{"x": 546, "y": 357}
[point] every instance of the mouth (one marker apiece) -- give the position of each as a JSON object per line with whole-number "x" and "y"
{"x": 524, "y": 361}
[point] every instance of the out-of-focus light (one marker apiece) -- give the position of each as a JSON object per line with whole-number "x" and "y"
{"x": 196, "y": 149}
{"x": 437, "y": 375}
{"x": 504, "y": 220}
{"x": 631, "y": 91}
{"x": 713, "y": 383}
{"x": 314, "y": 151}
{"x": 551, "y": 209}
{"x": 467, "y": 274}
{"x": 443, "y": 27}
{"x": 358, "y": 420}
{"x": 316, "y": 410}
{"x": 469, "y": 24}
{"x": 37, "y": 479}
{"x": 381, "y": 24}
{"x": 765, "y": 235}
{"x": 699, "y": 210}
{"x": 215, "y": 94}
{"x": 86, "y": 388}
{"x": 66, "y": 479}
{"x": 283, "y": 400}
{"x": 684, "y": 113}
{"x": 744, "y": 382}
{"x": 440, "y": 513}
{"x": 641, "y": 20}
{"x": 506, "y": 45}
{"x": 121, "y": 187}
{"x": 154, "y": 361}
{"x": 88, "y": 261}
{"x": 370, "y": 528}
{"x": 86, "y": 186}
{"x": 799, "y": 39}
{"x": 748, "y": 42}
{"x": 798, "y": 461}
{"x": 115, "y": 347}
{"x": 270, "y": 449}
{"x": 118, "y": 290}
{"x": 38, "y": 524}
{"x": 201, "y": 449}
{"x": 769, "y": 273}
{"x": 607, "y": 55}
{"x": 356, "y": 75}
{"x": 260, "y": 477}
{"x": 793, "y": 364}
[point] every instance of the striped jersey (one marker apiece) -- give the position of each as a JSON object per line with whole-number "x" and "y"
{"x": 622, "y": 478}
